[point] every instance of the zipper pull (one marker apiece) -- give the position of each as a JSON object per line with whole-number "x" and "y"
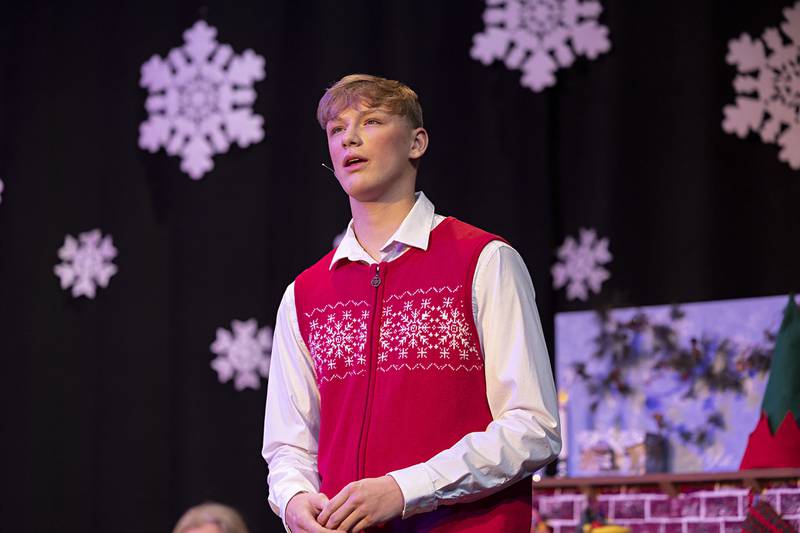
{"x": 377, "y": 279}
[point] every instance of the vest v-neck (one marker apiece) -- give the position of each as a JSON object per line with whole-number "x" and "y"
{"x": 414, "y": 250}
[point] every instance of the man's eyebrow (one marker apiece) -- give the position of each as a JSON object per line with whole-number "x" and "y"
{"x": 332, "y": 122}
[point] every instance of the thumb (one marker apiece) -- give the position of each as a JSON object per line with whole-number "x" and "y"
{"x": 319, "y": 501}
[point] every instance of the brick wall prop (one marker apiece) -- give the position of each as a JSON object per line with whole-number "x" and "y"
{"x": 702, "y": 511}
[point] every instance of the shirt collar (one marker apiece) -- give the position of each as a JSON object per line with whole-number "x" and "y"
{"x": 413, "y": 231}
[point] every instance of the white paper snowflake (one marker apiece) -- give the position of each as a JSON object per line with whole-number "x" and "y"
{"x": 200, "y": 100}
{"x": 768, "y": 87}
{"x": 581, "y": 268}
{"x": 540, "y": 36}
{"x": 245, "y": 354}
{"x": 87, "y": 263}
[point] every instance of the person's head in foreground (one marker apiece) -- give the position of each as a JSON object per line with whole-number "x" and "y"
{"x": 211, "y": 517}
{"x": 375, "y": 136}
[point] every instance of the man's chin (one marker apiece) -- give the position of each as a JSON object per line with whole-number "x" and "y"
{"x": 361, "y": 192}
{"x": 372, "y": 192}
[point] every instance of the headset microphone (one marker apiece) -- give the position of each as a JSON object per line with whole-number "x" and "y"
{"x": 329, "y": 168}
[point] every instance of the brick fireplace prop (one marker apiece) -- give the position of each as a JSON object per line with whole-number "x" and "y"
{"x": 669, "y": 503}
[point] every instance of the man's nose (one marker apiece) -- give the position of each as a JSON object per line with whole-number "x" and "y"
{"x": 351, "y": 137}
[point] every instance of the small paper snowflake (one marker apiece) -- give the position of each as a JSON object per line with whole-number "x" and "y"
{"x": 245, "y": 354}
{"x": 581, "y": 268}
{"x": 200, "y": 100}
{"x": 768, "y": 87}
{"x": 86, "y": 263}
{"x": 535, "y": 36}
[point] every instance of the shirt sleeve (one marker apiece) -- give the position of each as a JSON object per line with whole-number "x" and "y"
{"x": 525, "y": 432}
{"x": 291, "y": 419}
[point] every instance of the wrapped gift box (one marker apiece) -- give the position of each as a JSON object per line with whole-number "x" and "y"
{"x": 624, "y": 452}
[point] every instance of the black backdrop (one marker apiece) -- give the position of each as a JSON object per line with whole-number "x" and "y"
{"x": 112, "y": 419}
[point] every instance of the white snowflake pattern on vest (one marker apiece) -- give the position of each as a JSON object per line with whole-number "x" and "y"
{"x": 540, "y": 36}
{"x": 768, "y": 87}
{"x": 337, "y": 339}
{"x": 423, "y": 329}
{"x": 200, "y": 100}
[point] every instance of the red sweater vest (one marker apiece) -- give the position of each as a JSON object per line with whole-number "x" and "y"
{"x": 400, "y": 371}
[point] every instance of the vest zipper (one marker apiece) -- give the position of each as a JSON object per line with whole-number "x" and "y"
{"x": 372, "y": 358}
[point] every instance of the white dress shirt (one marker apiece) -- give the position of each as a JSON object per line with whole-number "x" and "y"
{"x": 524, "y": 432}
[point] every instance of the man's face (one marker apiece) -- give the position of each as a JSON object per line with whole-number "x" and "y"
{"x": 372, "y": 151}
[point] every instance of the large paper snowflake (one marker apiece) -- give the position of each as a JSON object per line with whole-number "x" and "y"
{"x": 540, "y": 36}
{"x": 768, "y": 87}
{"x": 581, "y": 269}
{"x": 200, "y": 99}
{"x": 86, "y": 263}
{"x": 244, "y": 354}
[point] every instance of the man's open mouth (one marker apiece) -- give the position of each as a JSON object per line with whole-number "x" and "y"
{"x": 353, "y": 161}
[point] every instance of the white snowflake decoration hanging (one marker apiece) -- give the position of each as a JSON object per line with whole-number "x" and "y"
{"x": 200, "y": 100}
{"x": 581, "y": 268}
{"x": 86, "y": 263}
{"x": 540, "y": 36}
{"x": 243, "y": 355}
{"x": 768, "y": 87}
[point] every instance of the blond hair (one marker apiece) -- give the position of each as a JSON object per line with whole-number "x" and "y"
{"x": 226, "y": 518}
{"x": 370, "y": 91}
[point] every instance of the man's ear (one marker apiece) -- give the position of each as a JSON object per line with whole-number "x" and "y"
{"x": 419, "y": 143}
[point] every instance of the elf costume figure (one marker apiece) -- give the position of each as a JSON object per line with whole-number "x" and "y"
{"x": 775, "y": 442}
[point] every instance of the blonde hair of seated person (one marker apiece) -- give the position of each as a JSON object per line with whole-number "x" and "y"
{"x": 227, "y": 519}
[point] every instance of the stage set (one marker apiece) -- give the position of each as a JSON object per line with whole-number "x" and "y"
{"x": 162, "y": 183}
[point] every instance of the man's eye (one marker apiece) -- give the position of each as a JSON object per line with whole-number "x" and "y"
{"x": 335, "y": 129}
{"x": 372, "y": 121}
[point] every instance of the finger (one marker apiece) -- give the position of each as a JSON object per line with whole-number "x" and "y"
{"x": 332, "y": 506}
{"x": 363, "y": 524}
{"x": 340, "y": 515}
{"x": 311, "y": 526}
{"x": 303, "y": 522}
{"x": 318, "y": 502}
{"x": 355, "y": 517}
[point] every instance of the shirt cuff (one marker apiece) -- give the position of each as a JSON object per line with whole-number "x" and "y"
{"x": 419, "y": 494}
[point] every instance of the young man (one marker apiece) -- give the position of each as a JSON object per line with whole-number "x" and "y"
{"x": 410, "y": 383}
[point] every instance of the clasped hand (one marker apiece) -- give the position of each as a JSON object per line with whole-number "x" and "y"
{"x": 359, "y": 505}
